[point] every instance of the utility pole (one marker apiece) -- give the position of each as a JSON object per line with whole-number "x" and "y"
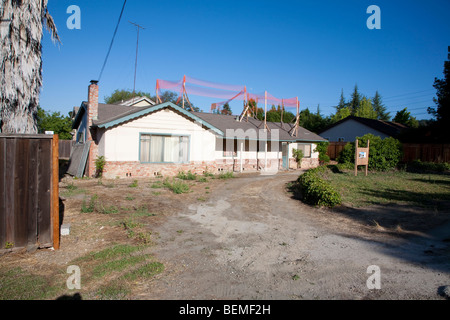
{"x": 137, "y": 48}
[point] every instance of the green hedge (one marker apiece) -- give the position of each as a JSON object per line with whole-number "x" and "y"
{"x": 384, "y": 154}
{"x": 315, "y": 190}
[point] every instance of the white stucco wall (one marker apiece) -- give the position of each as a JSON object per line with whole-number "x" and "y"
{"x": 121, "y": 143}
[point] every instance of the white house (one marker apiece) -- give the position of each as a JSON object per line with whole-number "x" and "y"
{"x": 163, "y": 139}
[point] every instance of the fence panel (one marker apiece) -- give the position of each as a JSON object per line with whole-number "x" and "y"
{"x": 29, "y": 215}
{"x": 65, "y": 149}
{"x": 426, "y": 152}
{"x": 334, "y": 148}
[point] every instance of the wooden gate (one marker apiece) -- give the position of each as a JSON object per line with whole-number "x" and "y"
{"x": 29, "y": 193}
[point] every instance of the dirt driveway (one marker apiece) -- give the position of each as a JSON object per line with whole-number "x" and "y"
{"x": 251, "y": 240}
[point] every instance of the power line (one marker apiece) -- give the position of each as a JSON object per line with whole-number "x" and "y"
{"x": 112, "y": 40}
{"x": 407, "y": 94}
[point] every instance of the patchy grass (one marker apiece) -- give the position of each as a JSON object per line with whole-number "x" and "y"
{"x": 399, "y": 187}
{"x": 18, "y": 284}
{"x": 226, "y": 175}
{"x": 176, "y": 186}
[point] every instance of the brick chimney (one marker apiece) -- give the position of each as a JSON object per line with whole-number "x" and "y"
{"x": 92, "y": 113}
{"x": 92, "y": 102}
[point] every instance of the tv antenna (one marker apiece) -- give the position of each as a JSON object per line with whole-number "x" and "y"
{"x": 137, "y": 48}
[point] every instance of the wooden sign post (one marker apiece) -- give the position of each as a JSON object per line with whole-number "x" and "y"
{"x": 361, "y": 157}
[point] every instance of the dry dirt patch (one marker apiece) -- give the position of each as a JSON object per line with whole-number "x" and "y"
{"x": 245, "y": 238}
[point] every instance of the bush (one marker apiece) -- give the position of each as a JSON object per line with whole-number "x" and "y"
{"x": 100, "y": 162}
{"x": 418, "y": 166}
{"x": 384, "y": 154}
{"x": 298, "y": 156}
{"x": 315, "y": 190}
{"x": 322, "y": 149}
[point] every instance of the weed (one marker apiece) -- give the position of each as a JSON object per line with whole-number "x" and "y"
{"x": 85, "y": 208}
{"x": 176, "y": 186}
{"x": 202, "y": 179}
{"x": 226, "y": 175}
{"x": 134, "y": 184}
{"x": 129, "y": 198}
{"x": 186, "y": 176}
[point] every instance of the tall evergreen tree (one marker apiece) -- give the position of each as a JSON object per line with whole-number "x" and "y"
{"x": 379, "y": 108}
{"x": 442, "y": 100}
{"x": 342, "y": 104}
{"x": 355, "y": 101}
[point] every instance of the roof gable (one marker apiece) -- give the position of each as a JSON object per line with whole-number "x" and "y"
{"x": 106, "y": 121}
{"x": 387, "y": 127}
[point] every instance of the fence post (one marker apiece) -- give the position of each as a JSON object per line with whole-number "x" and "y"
{"x": 55, "y": 191}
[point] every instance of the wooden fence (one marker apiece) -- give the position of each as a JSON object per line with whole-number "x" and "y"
{"x": 334, "y": 148}
{"x": 426, "y": 152}
{"x": 65, "y": 149}
{"x": 29, "y": 193}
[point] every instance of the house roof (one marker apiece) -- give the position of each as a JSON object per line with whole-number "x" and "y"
{"x": 254, "y": 128}
{"x": 136, "y": 100}
{"x": 110, "y": 115}
{"x": 389, "y": 128}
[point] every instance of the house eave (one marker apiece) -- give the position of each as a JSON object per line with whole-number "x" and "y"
{"x": 151, "y": 109}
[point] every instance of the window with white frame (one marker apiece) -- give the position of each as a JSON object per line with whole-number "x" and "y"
{"x": 156, "y": 148}
{"x": 306, "y": 148}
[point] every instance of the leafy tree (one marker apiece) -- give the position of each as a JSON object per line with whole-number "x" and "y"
{"x": 314, "y": 122}
{"x": 54, "y": 121}
{"x": 404, "y": 117}
{"x": 365, "y": 109}
{"x": 123, "y": 95}
{"x": 166, "y": 96}
{"x": 379, "y": 108}
{"x": 341, "y": 114}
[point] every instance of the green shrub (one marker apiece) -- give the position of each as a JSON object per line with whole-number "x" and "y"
{"x": 298, "y": 156}
{"x": 315, "y": 190}
{"x": 418, "y": 166}
{"x": 384, "y": 154}
{"x": 322, "y": 149}
{"x": 100, "y": 162}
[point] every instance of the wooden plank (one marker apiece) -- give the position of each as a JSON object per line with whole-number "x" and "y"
{"x": 27, "y": 136}
{"x": 55, "y": 192}
{"x": 45, "y": 230}
{"x": 21, "y": 193}
{"x": 2, "y": 193}
{"x": 32, "y": 199}
{"x": 9, "y": 188}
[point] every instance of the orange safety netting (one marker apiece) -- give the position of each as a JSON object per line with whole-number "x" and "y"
{"x": 227, "y": 92}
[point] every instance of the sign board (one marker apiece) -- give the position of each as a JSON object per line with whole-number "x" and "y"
{"x": 361, "y": 157}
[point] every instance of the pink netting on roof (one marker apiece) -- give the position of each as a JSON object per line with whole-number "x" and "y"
{"x": 192, "y": 86}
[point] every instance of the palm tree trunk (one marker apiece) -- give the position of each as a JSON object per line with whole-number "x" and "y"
{"x": 21, "y": 32}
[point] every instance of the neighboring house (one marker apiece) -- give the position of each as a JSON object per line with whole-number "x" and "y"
{"x": 163, "y": 139}
{"x": 347, "y": 129}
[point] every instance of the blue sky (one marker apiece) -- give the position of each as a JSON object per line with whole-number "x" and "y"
{"x": 309, "y": 49}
